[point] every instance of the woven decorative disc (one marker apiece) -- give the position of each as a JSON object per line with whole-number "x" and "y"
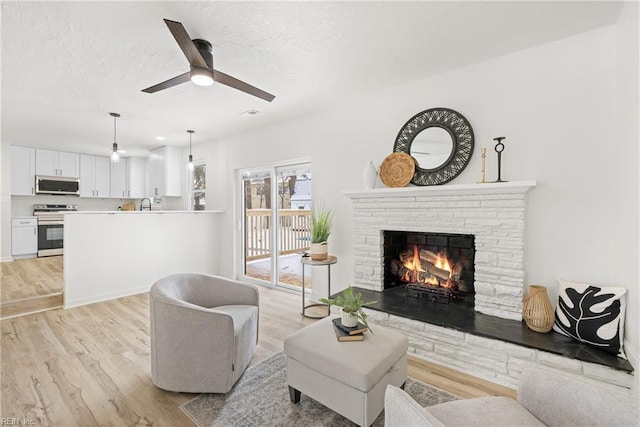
{"x": 397, "y": 169}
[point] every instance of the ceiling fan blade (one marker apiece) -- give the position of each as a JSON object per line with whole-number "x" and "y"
{"x": 226, "y": 79}
{"x": 184, "y": 41}
{"x": 182, "y": 78}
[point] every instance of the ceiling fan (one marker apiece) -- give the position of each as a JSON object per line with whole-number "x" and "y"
{"x": 198, "y": 53}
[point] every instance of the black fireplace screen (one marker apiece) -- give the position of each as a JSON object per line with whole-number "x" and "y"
{"x": 436, "y": 266}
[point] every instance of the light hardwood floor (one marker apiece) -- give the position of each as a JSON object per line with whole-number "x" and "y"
{"x": 90, "y": 365}
{"x": 28, "y": 278}
{"x": 30, "y": 286}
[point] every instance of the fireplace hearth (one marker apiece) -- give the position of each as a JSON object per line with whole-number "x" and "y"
{"x": 464, "y": 319}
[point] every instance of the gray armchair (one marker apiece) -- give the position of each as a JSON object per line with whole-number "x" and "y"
{"x": 545, "y": 398}
{"x": 204, "y": 330}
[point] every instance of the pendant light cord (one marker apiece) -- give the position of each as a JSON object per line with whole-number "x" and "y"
{"x": 190, "y": 132}
{"x": 115, "y": 117}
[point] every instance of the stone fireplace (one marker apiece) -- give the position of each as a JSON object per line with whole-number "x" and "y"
{"x": 483, "y": 334}
{"x": 494, "y": 214}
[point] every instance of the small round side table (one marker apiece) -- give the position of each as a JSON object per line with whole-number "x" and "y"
{"x": 308, "y": 261}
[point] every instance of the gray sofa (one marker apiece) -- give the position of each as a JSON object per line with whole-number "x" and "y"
{"x": 544, "y": 397}
{"x": 204, "y": 330}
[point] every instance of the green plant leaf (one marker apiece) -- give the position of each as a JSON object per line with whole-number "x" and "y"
{"x": 351, "y": 303}
{"x": 321, "y": 222}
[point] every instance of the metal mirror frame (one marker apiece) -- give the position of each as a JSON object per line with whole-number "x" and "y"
{"x": 461, "y": 133}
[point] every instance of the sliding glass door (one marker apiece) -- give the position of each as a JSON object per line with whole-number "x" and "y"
{"x": 258, "y": 218}
{"x": 276, "y": 203}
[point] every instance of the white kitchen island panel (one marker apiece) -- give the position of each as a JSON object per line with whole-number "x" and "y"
{"x": 109, "y": 255}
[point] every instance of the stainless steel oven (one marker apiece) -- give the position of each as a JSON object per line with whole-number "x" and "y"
{"x": 51, "y": 228}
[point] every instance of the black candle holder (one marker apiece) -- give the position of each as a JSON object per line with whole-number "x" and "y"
{"x": 499, "y": 149}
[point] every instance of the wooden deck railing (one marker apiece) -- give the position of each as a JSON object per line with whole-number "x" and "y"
{"x": 294, "y": 232}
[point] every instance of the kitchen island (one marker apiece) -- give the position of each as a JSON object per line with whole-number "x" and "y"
{"x": 113, "y": 254}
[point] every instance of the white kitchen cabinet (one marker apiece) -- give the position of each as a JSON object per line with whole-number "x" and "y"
{"x": 102, "y": 176}
{"x": 57, "y": 163}
{"x": 94, "y": 176}
{"x": 128, "y": 178}
{"x": 87, "y": 175}
{"x": 136, "y": 176}
{"x": 156, "y": 174}
{"x": 165, "y": 172}
{"x": 118, "y": 187}
{"x": 23, "y": 171}
{"x": 24, "y": 237}
{"x": 46, "y": 162}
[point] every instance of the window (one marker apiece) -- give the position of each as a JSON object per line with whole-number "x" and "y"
{"x": 198, "y": 189}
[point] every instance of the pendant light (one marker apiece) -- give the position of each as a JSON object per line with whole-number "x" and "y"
{"x": 115, "y": 157}
{"x": 190, "y": 163}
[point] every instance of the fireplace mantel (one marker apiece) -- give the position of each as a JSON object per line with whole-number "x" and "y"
{"x": 443, "y": 190}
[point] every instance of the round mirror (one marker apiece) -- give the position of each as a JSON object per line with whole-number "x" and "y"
{"x": 441, "y": 142}
{"x": 432, "y": 147}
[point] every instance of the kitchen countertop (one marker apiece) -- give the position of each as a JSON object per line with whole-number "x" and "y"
{"x": 140, "y": 212}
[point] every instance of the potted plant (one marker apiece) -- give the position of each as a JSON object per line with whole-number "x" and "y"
{"x": 321, "y": 222}
{"x": 352, "y": 304}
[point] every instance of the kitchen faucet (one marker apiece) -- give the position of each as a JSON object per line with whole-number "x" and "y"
{"x": 145, "y": 208}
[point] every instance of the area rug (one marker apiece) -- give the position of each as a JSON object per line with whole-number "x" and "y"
{"x": 261, "y": 398}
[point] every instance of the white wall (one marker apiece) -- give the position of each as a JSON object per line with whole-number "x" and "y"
{"x": 112, "y": 255}
{"x": 5, "y": 202}
{"x": 627, "y": 138}
{"x": 555, "y": 103}
{"x": 23, "y": 205}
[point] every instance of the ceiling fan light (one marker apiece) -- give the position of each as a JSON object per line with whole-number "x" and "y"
{"x": 201, "y": 76}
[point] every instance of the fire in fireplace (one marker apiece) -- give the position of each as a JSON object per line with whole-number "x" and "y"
{"x": 436, "y": 266}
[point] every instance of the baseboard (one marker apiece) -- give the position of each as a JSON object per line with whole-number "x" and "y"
{"x": 70, "y": 303}
{"x": 461, "y": 384}
{"x": 30, "y": 305}
{"x": 6, "y": 259}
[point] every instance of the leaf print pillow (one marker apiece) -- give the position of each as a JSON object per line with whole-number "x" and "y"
{"x": 592, "y": 314}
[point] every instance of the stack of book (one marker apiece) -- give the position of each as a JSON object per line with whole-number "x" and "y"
{"x": 344, "y": 333}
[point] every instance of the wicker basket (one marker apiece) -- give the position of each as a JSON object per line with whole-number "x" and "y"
{"x": 537, "y": 311}
{"x": 397, "y": 169}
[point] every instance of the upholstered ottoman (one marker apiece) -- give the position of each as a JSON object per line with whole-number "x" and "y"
{"x": 348, "y": 377}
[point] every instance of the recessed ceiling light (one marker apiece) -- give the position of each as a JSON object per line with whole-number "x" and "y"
{"x": 250, "y": 112}
{"x": 159, "y": 138}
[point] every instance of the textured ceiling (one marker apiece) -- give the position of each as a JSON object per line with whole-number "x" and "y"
{"x": 66, "y": 65}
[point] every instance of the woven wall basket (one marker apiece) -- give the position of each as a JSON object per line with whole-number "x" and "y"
{"x": 537, "y": 310}
{"x": 397, "y": 169}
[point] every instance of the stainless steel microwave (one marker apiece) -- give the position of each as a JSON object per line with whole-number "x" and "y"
{"x": 57, "y": 185}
